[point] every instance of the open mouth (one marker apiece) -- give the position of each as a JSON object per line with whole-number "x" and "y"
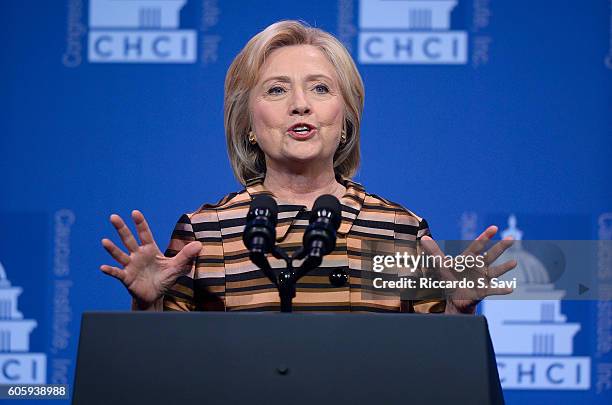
{"x": 301, "y": 131}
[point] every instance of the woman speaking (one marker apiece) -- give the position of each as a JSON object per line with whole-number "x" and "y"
{"x": 292, "y": 110}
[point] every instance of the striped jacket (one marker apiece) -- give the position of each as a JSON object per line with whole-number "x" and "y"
{"x": 223, "y": 278}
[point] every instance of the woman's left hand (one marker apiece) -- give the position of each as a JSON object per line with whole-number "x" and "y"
{"x": 468, "y": 306}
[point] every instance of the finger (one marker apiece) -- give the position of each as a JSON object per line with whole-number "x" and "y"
{"x": 184, "y": 258}
{"x": 467, "y": 304}
{"x": 113, "y": 272}
{"x": 481, "y": 241}
{"x": 496, "y": 271}
{"x": 431, "y": 247}
{"x": 114, "y": 251}
{"x": 142, "y": 227}
{"x": 499, "y": 248}
{"x": 499, "y": 291}
{"x": 124, "y": 233}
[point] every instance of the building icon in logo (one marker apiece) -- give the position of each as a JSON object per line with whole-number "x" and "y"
{"x": 532, "y": 339}
{"x": 409, "y": 32}
{"x": 139, "y": 31}
{"x": 16, "y": 364}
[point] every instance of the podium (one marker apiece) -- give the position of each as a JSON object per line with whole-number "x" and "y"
{"x": 276, "y": 358}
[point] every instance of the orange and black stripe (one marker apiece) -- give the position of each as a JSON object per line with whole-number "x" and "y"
{"x": 224, "y": 279}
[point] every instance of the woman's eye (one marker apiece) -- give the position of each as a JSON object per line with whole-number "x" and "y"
{"x": 321, "y": 88}
{"x": 276, "y": 90}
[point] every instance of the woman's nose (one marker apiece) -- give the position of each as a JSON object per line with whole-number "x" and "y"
{"x": 299, "y": 104}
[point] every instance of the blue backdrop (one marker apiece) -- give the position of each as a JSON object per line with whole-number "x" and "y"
{"x": 481, "y": 110}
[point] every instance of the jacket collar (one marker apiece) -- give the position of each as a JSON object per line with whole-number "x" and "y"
{"x": 351, "y": 202}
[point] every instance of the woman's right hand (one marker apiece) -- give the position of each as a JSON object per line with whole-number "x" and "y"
{"x": 147, "y": 273}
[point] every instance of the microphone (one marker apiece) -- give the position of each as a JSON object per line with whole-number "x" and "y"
{"x": 259, "y": 234}
{"x": 320, "y": 235}
{"x": 259, "y": 237}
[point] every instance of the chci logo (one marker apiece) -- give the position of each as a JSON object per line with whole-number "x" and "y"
{"x": 139, "y": 31}
{"x": 17, "y": 365}
{"x": 409, "y": 32}
{"x": 533, "y": 340}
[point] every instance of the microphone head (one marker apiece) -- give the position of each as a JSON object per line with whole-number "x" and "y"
{"x": 264, "y": 202}
{"x": 260, "y": 230}
{"x": 328, "y": 206}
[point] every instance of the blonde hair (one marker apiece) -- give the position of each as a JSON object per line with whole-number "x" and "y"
{"x": 247, "y": 160}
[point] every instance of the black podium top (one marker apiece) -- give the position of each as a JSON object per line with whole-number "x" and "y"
{"x": 271, "y": 358}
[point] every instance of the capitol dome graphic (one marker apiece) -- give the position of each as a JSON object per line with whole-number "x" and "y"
{"x": 17, "y": 365}
{"x": 529, "y": 270}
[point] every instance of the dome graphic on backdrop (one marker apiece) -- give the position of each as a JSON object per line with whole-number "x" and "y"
{"x": 14, "y": 330}
{"x": 529, "y": 269}
{"x": 534, "y": 323}
{"x": 135, "y": 13}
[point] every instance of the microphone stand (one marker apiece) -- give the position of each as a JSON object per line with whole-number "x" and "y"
{"x": 285, "y": 284}
{"x": 259, "y": 239}
{"x": 287, "y": 279}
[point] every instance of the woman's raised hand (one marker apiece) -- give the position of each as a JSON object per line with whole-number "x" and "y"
{"x": 147, "y": 273}
{"x": 469, "y": 298}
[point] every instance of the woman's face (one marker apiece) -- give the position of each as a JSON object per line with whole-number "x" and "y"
{"x": 296, "y": 108}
